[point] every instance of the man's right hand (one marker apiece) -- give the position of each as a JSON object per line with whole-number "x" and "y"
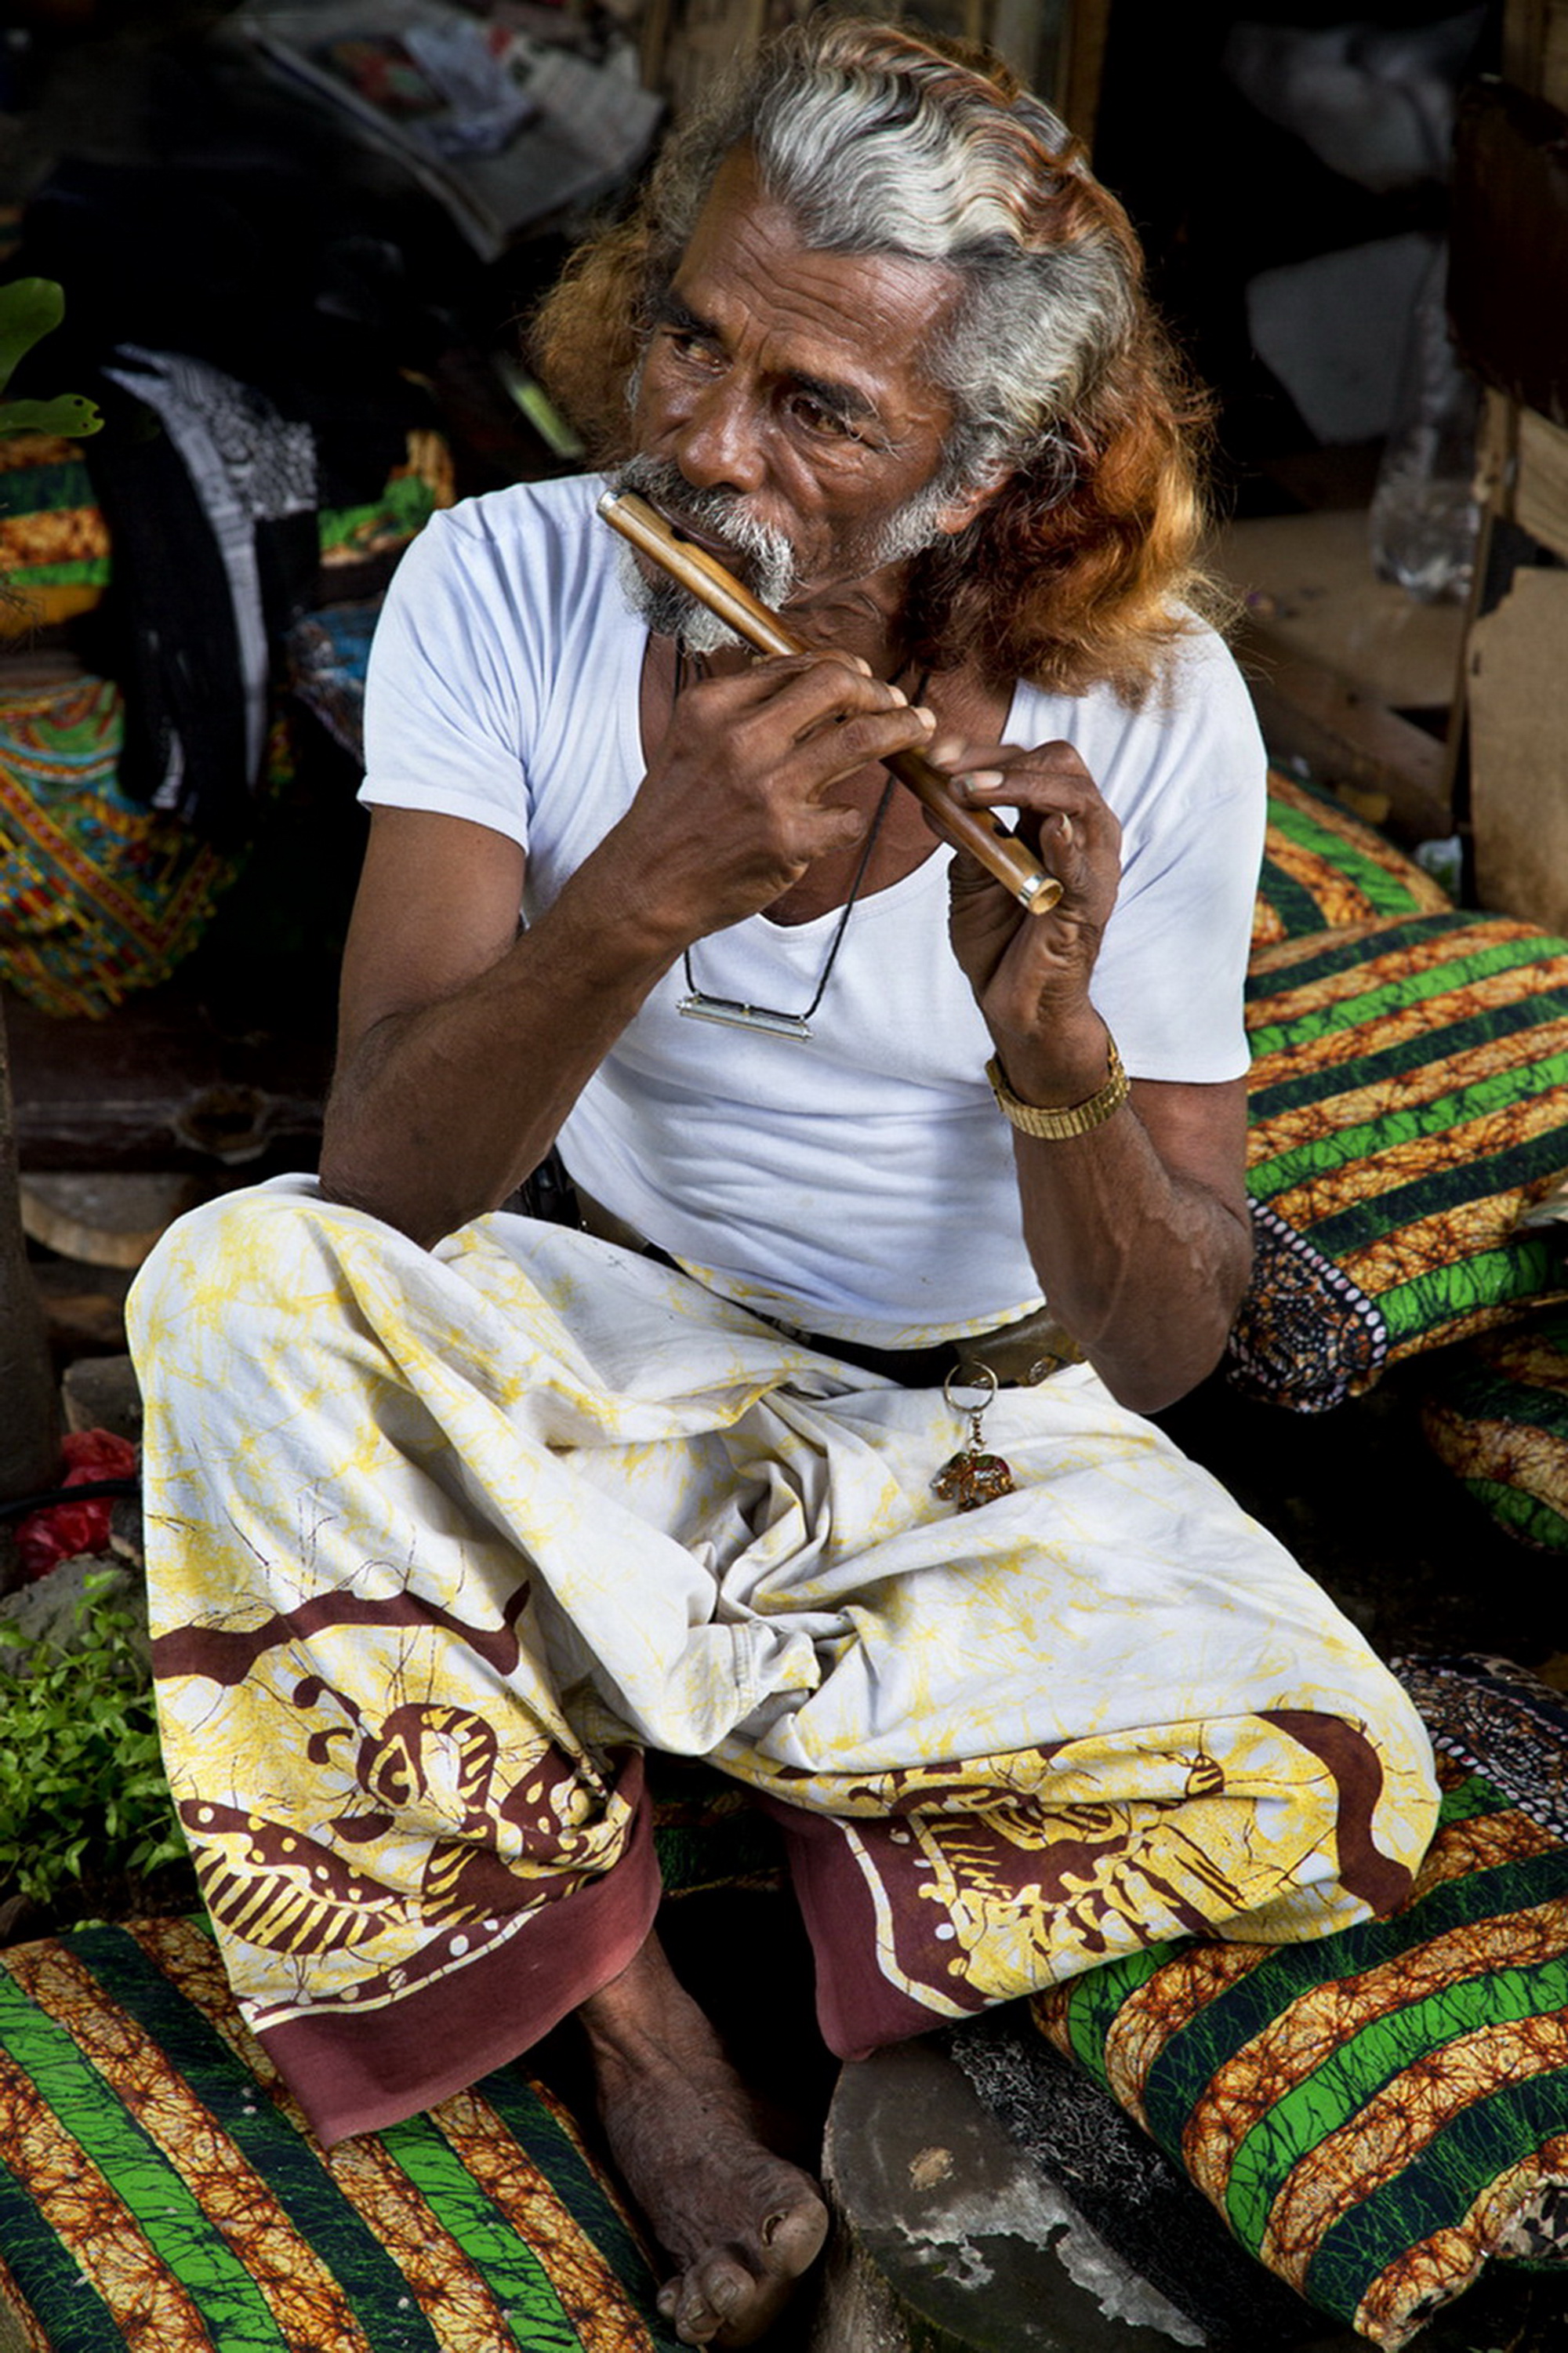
{"x": 748, "y": 787}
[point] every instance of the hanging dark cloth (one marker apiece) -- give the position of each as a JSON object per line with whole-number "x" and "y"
{"x": 213, "y": 520}
{"x": 242, "y": 333}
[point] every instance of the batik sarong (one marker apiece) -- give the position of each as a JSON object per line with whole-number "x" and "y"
{"x": 440, "y": 1543}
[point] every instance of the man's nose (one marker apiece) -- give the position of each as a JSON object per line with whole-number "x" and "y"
{"x": 718, "y": 445}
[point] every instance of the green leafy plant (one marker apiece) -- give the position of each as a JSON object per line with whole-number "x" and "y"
{"x": 30, "y": 309}
{"x": 84, "y": 1805}
{"x": 85, "y": 1810}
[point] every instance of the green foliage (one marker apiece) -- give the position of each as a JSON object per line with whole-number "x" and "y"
{"x": 83, "y": 1798}
{"x": 30, "y": 309}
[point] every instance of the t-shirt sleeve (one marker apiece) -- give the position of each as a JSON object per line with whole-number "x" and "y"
{"x": 445, "y": 708}
{"x": 1188, "y": 778}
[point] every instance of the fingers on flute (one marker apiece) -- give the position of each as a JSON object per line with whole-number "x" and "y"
{"x": 825, "y": 662}
{"x": 860, "y": 739}
{"x": 1056, "y": 800}
{"x": 815, "y": 687}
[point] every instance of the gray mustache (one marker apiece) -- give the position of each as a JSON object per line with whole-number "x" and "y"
{"x": 721, "y": 513}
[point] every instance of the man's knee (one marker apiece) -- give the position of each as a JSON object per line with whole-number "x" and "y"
{"x": 246, "y": 1258}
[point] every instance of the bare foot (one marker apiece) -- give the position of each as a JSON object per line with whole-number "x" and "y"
{"x": 742, "y": 2223}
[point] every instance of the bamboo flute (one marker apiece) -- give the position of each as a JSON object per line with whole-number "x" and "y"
{"x": 977, "y": 830}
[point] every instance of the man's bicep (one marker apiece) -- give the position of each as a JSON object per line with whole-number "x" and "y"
{"x": 439, "y": 904}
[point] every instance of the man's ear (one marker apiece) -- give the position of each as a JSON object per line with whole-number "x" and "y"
{"x": 964, "y": 505}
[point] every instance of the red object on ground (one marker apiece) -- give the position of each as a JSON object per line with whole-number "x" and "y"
{"x": 61, "y": 1531}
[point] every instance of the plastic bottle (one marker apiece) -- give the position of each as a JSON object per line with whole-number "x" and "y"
{"x": 1425, "y": 515}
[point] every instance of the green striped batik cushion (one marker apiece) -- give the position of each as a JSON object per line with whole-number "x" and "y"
{"x": 1376, "y": 2114}
{"x": 159, "y": 2187}
{"x": 1322, "y": 870}
{"x": 1498, "y": 1417}
{"x": 1408, "y": 1097}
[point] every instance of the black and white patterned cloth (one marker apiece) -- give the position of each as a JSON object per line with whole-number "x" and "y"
{"x": 1500, "y": 1721}
{"x": 247, "y": 467}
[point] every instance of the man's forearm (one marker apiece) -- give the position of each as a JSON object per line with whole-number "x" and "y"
{"x": 438, "y": 1113}
{"x": 1144, "y": 1265}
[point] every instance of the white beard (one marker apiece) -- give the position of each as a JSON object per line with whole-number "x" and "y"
{"x": 762, "y": 558}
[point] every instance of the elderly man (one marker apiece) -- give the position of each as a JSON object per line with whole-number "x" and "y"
{"x": 455, "y": 1516}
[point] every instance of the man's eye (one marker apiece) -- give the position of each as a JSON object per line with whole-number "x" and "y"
{"x": 818, "y": 418}
{"x": 689, "y": 346}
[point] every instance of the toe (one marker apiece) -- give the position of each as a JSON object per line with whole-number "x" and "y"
{"x": 793, "y": 2234}
{"x": 694, "y": 2323}
{"x": 718, "y": 2302}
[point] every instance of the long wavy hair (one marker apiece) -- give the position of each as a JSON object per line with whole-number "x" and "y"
{"x": 1081, "y": 569}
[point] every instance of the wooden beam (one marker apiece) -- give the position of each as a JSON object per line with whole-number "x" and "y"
{"x": 152, "y": 1086}
{"x": 1081, "y": 70}
{"x": 1519, "y": 749}
{"x": 1539, "y": 491}
{"x": 1309, "y": 712}
{"x": 1555, "y": 54}
{"x": 1523, "y": 43}
{"x": 1535, "y": 47}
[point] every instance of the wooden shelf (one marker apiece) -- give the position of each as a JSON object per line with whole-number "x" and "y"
{"x": 1335, "y": 657}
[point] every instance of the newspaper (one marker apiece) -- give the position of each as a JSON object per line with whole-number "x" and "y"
{"x": 504, "y": 129}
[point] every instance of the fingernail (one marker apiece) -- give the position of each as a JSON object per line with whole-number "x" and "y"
{"x": 926, "y": 716}
{"x": 980, "y": 780}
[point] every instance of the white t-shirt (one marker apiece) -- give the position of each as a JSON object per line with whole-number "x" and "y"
{"x": 860, "y": 1183}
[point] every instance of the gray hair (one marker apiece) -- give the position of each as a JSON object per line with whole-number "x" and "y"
{"x": 876, "y": 143}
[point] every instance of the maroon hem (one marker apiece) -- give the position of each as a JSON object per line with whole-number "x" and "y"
{"x": 356, "y": 2072}
{"x": 1357, "y": 1770}
{"x": 857, "y": 2009}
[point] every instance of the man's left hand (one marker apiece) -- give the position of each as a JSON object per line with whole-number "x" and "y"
{"x": 1030, "y": 974}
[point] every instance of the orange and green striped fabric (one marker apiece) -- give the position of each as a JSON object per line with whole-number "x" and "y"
{"x": 1374, "y": 2114}
{"x": 1324, "y": 869}
{"x": 158, "y": 2187}
{"x": 55, "y": 551}
{"x": 1498, "y": 1417}
{"x": 1408, "y": 1098}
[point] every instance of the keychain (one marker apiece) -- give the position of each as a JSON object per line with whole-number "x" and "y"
{"x": 972, "y": 1476}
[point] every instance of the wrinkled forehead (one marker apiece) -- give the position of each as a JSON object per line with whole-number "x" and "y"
{"x": 748, "y": 259}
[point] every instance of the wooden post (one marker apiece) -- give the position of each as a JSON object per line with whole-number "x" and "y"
{"x": 30, "y": 1406}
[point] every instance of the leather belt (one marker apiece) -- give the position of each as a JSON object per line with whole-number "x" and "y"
{"x": 1019, "y": 1354}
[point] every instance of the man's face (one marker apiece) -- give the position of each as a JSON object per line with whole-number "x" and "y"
{"x": 784, "y": 414}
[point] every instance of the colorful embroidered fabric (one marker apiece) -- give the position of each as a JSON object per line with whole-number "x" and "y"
{"x": 1497, "y": 1719}
{"x": 158, "y": 2187}
{"x": 1408, "y": 1098}
{"x": 379, "y": 531}
{"x": 1305, "y": 1336}
{"x": 327, "y": 654}
{"x": 53, "y": 542}
{"x": 98, "y": 895}
{"x": 1498, "y": 1417}
{"x": 1323, "y": 868}
{"x": 1377, "y": 2114}
{"x": 56, "y": 552}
